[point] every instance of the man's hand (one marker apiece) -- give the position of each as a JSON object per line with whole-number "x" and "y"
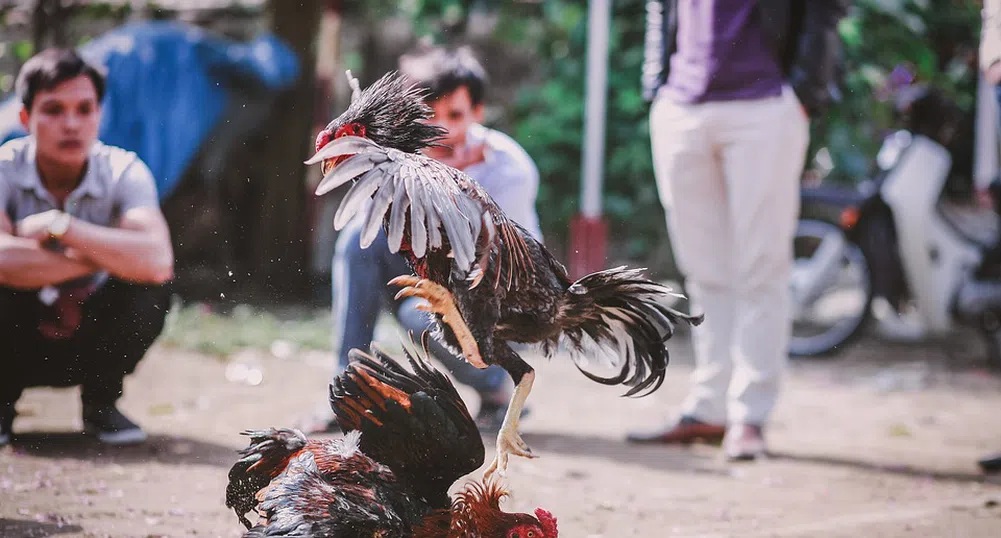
{"x": 37, "y": 226}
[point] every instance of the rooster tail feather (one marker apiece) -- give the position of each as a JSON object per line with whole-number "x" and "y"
{"x": 619, "y": 315}
{"x": 266, "y": 457}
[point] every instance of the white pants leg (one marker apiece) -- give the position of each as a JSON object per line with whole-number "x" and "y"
{"x": 763, "y": 149}
{"x": 690, "y": 182}
{"x": 729, "y": 174}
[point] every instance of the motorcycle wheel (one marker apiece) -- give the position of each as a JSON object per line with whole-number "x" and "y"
{"x": 833, "y": 303}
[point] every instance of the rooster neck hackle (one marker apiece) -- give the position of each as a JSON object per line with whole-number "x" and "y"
{"x": 394, "y": 115}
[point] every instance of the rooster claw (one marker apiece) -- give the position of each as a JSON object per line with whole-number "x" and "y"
{"x": 508, "y": 444}
{"x": 441, "y": 301}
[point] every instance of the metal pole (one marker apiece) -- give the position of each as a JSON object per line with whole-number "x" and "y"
{"x": 599, "y": 19}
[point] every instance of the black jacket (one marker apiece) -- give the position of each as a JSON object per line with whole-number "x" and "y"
{"x": 802, "y": 34}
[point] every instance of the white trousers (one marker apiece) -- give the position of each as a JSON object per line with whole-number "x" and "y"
{"x": 728, "y": 174}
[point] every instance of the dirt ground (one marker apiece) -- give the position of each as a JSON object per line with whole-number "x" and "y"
{"x": 879, "y": 442}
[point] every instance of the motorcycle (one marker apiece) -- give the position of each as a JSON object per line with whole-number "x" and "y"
{"x": 907, "y": 247}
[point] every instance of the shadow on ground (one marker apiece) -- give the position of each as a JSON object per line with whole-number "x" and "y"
{"x": 875, "y": 467}
{"x": 618, "y": 451}
{"x": 158, "y": 448}
{"x": 25, "y": 528}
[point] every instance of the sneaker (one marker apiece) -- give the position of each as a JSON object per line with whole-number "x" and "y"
{"x": 991, "y": 464}
{"x": 112, "y": 427}
{"x": 744, "y": 442}
{"x": 490, "y": 417}
{"x": 6, "y": 424}
{"x": 321, "y": 421}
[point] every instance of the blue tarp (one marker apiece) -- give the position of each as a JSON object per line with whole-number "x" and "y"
{"x": 167, "y": 89}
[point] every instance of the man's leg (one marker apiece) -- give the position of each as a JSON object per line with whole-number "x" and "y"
{"x": 121, "y": 322}
{"x": 492, "y": 384}
{"x": 764, "y": 148}
{"x": 359, "y": 285}
{"x": 689, "y": 179}
{"x": 18, "y": 322}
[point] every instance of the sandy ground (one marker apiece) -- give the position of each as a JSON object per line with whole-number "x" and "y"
{"x": 879, "y": 442}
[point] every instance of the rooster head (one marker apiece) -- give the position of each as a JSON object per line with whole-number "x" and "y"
{"x": 478, "y": 507}
{"x": 391, "y": 112}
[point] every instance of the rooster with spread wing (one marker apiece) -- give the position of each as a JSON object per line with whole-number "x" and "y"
{"x": 487, "y": 281}
{"x": 410, "y": 437}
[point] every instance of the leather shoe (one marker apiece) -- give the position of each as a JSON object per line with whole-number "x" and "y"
{"x": 685, "y": 431}
{"x": 744, "y": 442}
{"x": 991, "y": 464}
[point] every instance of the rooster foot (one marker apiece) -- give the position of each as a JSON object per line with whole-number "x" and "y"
{"x": 441, "y": 301}
{"x": 508, "y": 443}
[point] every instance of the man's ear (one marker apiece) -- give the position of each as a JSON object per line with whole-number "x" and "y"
{"x": 478, "y": 113}
{"x": 24, "y": 117}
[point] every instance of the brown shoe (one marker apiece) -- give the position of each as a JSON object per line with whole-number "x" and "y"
{"x": 685, "y": 431}
{"x": 744, "y": 442}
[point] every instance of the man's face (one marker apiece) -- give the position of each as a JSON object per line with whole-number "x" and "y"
{"x": 65, "y": 121}
{"x": 455, "y": 112}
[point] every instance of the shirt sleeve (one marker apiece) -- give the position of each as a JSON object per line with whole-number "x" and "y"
{"x": 990, "y": 33}
{"x": 6, "y": 192}
{"x": 516, "y": 187}
{"x": 136, "y": 188}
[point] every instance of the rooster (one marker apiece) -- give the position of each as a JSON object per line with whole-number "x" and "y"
{"x": 486, "y": 281}
{"x": 410, "y": 437}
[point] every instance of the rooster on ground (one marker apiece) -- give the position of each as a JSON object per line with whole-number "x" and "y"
{"x": 487, "y": 281}
{"x": 410, "y": 437}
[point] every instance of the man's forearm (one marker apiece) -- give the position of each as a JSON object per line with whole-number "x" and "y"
{"x": 26, "y": 265}
{"x": 127, "y": 254}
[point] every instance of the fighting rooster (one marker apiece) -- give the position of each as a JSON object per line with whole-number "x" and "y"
{"x": 487, "y": 282}
{"x": 410, "y": 437}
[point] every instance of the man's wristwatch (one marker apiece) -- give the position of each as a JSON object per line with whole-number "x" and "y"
{"x": 59, "y": 226}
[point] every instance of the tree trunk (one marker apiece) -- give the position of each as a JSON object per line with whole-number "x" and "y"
{"x": 48, "y": 20}
{"x": 280, "y": 237}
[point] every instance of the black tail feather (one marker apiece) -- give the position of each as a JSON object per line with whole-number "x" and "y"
{"x": 619, "y": 309}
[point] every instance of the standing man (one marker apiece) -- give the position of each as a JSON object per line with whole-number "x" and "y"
{"x": 733, "y": 84}
{"x": 456, "y": 84}
{"x": 990, "y": 64}
{"x": 84, "y": 250}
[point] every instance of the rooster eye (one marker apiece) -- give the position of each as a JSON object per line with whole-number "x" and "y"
{"x": 531, "y": 534}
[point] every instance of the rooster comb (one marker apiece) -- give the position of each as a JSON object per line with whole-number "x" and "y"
{"x": 548, "y": 521}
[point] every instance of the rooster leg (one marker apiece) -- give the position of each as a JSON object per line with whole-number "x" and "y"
{"x": 509, "y": 441}
{"x": 441, "y": 302}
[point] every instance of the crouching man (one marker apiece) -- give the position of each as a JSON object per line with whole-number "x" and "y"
{"x": 84, "y": 251}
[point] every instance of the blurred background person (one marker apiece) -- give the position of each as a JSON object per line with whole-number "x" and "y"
{"x": 990, "y": 64}
{"x": 733, "y": 88}
{"x": 84, "y": 250}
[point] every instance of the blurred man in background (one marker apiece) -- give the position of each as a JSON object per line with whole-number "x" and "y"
{"x": 990, "y": 64}
{"x": 84, "y": 250}
{"x": 733, "y": 84}
{"x": 456, "y": 84}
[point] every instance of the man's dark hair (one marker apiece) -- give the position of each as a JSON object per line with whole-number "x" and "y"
{"x": 52, "y": 67}
{"x": 441, "y": 71}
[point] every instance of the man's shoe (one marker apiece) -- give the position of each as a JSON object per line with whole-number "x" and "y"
{"x": 744, "y": 442}
{"x": 685, "y": 431}
{"x": 7, "y": 414}
{"x": 991, "y": 464}
{"x": 490, "y": 417}
{"x": 321, "y": 421}
{"x": 111, "y": 426}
